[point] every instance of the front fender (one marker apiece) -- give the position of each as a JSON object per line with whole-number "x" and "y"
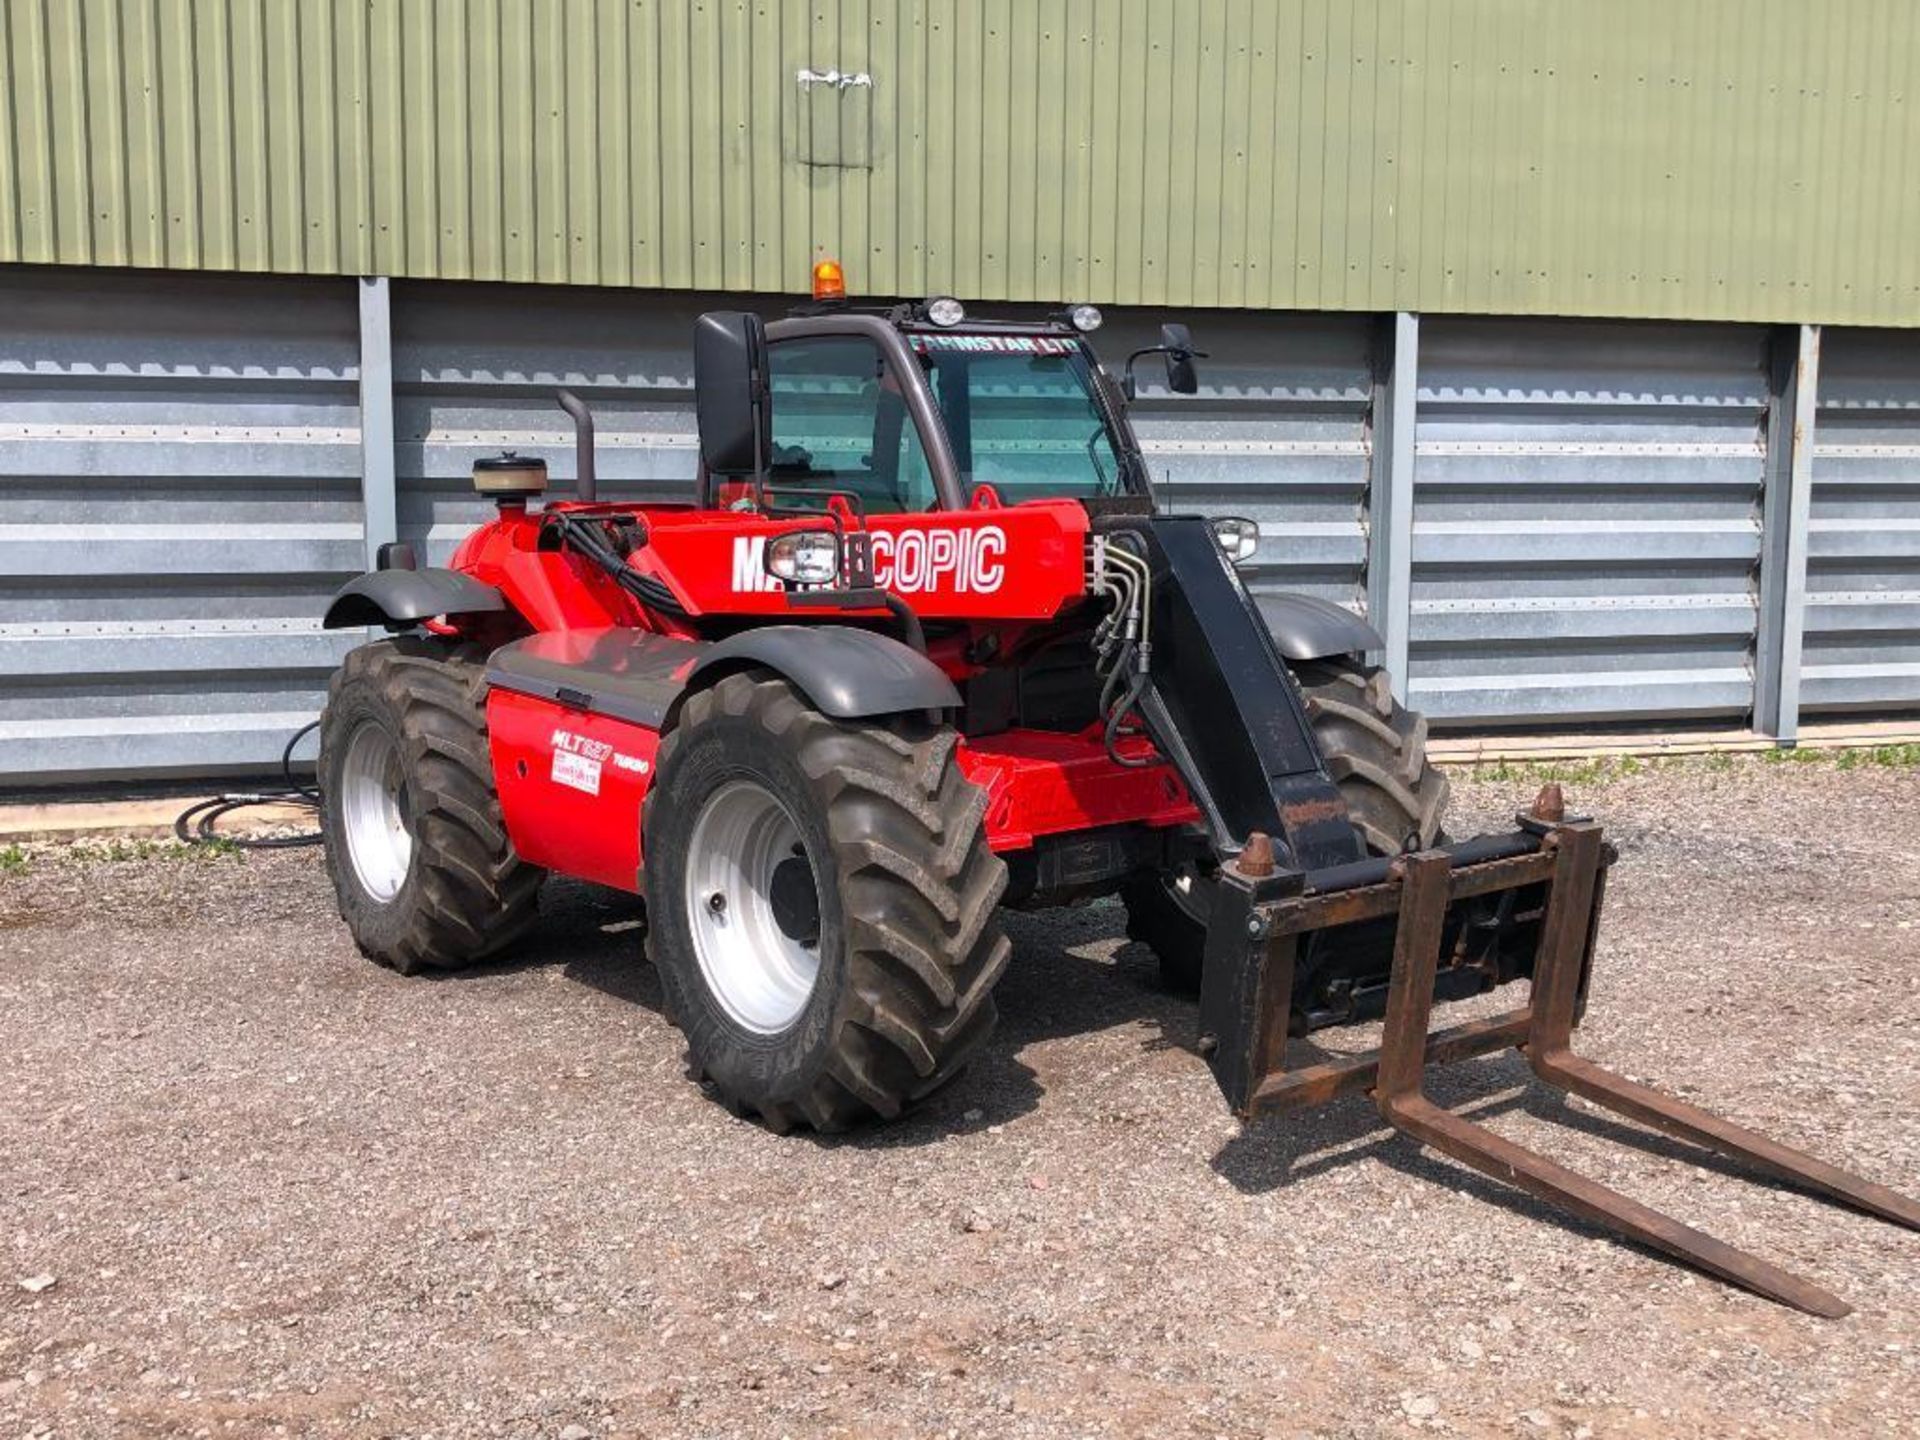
{"x": 1305, "y": 627}
{"x": 401, "y": 599}
{"x": 847, "y": 673}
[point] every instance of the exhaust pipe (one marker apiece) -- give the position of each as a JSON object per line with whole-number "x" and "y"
{"x": 586, "y": 484}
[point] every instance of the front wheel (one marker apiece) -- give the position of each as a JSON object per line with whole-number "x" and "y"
{"x": 1376, "y": 751}
{"x": 822, "y": 905}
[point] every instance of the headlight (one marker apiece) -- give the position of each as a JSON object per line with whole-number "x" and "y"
{"x": 945, "y": 310}
{"x": 1238, "y": 538}
{"x": 804, "y": 557}
{"x": 1085, "y": 318}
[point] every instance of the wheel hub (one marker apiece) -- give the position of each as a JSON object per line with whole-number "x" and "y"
{"x": 753, "y": 905}
{"x": 796, "y": 904}
{"x": 373, "y": 811}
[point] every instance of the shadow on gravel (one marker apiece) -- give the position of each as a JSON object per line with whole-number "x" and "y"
{"x": 1275, "y": 1152}
{"x": 595, "y": 936}
{"x": 1546, "y": 1103}
{"x": 1052, "y": 988}
{"x": 591, "y": 933}
{"x": 1066, "y": 978}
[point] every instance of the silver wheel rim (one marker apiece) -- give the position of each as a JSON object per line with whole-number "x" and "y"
{"x": 1192, "y": 896}
{"x": 373, "y": 811}
{"x": 755, "y": 956}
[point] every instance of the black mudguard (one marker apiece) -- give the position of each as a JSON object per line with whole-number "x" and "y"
{"x": 644, "y": 678}
{"x": 401, "y": 599}
{"x": 1305, "y": 627}
{"x": 847, "y": 673}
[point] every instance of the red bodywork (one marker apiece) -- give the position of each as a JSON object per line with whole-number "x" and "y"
{"x": 991, "y": 578}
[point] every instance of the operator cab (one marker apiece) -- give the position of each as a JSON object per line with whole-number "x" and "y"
{"x": 917, "y": 407}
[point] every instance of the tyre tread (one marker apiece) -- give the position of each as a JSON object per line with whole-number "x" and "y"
{"x": 474, "y": 895}
{"x": 1376, "y": 752}
{"x": 920, "y": 889}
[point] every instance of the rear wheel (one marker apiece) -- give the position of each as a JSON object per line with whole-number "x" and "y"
{"x": 416, "y": 848}
{"x": 1376, "y": 751}
{"x": 822, "y": 905}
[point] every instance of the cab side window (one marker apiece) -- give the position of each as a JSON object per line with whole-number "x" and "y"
{"x": 841, "y": 425}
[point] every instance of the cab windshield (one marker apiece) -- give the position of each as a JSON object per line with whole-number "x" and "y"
{"x": 1020, "y": 412}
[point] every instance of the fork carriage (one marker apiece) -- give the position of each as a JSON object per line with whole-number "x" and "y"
{"x": 1474, "y": 915}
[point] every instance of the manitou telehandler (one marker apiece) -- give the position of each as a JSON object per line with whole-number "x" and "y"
{"x": 918, "y": 644}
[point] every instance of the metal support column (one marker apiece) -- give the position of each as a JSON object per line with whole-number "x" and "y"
{"x": 377, "y": 488}
{"x": 1786, "y": 506}
{"x": 1390, "y": 491}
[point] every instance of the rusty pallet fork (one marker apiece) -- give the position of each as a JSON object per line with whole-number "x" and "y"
{"x": 1556, "y": 869}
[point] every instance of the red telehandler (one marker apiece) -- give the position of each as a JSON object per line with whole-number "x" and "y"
{"x": 919, "y": 643}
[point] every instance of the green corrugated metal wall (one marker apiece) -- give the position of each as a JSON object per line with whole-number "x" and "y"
{"x": 1740, "y": 159}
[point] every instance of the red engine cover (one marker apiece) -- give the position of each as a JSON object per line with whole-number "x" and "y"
{"x": 570, "y": 786}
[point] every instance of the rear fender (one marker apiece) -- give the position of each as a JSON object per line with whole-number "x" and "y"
{"x": 844, "y": 672}
{"x": 402, "y": 599}
{"x": 1305, "y": 627}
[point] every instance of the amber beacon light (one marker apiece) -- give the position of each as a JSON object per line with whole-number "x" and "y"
{"x": 829, "y": 281}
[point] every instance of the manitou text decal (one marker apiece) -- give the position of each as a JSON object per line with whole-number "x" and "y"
{"x": 968, "y": 561}
{"x": 971, "y": 561}
{"x": 750, "y": 564}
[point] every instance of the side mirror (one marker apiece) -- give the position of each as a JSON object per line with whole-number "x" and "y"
{"x": 1177, "y": 341}
{"x": 731, "y": 399}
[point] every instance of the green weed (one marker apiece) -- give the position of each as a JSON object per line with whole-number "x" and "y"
{"x": 1798, "y": 756}
{"x": 1567, "y": 772}
{"x": 1899, "y": 757}
{"x": 1601, "y": 769}
{"x": 119, "y": 851}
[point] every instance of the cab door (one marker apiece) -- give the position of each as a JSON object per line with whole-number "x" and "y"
{"x": 853, "y": 415}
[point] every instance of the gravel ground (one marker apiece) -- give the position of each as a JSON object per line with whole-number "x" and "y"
{"x": 280, "y": 1191}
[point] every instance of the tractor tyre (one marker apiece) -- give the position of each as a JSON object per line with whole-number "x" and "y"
{"x": 1376, "y": 751}
{"x": 415, "y": 844}
{"x": 821, "y": 905}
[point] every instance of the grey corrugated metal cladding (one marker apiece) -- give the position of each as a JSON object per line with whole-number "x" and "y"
{"x": 1730, "y": 159}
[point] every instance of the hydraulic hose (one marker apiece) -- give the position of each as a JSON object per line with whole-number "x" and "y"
{"x": 1117, "y": 716}
{"x": 196, "y": 824}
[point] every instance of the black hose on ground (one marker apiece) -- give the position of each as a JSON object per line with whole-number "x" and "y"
{"x": 196, "y": 824}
